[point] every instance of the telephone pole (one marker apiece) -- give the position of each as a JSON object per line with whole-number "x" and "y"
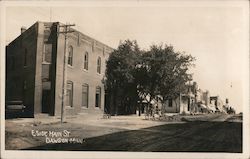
{"x": 66, "y": 30}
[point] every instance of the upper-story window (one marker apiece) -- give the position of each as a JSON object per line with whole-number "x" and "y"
{"x": 70, "y": 56}
{"x": 99, "y": 65}
{"x": 25, "y": 57}
{"x": 86, "y": 60}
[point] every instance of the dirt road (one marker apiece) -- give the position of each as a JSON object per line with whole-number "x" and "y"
{"x": 205, "y": 134}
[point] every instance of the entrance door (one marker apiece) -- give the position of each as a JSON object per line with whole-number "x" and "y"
{"x": 45, "y": 101}
{"x": 189, "y": 103}
{"x": 98, "y": 97}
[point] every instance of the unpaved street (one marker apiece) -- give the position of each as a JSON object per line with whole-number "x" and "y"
{"x": 211, "y": 133}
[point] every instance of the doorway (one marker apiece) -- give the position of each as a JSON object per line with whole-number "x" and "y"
{"x": 46, "y": 101}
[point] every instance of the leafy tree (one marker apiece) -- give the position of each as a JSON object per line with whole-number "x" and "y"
{"x": 164, "y": 72}
{"x": 173, "y": 73}
{"x": 133, "y": 75}
{"x": 120, "y": 77}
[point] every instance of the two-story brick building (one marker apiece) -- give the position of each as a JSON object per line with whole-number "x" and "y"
{"x": 35, "y": 71}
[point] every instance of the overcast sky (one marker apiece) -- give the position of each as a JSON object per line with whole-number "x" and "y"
{"x": 215, "y": 33}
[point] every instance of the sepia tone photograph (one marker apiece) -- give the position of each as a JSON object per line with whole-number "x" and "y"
{"x": 140, "y": 79}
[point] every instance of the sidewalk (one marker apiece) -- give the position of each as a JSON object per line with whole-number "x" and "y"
{"x": 128, "y": 122}
{"x": 35, "y": 121}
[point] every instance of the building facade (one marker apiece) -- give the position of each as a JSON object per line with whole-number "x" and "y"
{"x": 185, "y": 103}
{"x": 37, "y": 71}
{"x": 217, "y": 103}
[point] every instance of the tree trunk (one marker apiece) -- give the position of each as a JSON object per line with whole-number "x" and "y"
{"x": 115, "y": 102}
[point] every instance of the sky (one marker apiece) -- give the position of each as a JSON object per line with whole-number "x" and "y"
{"x": 215, "y": 33}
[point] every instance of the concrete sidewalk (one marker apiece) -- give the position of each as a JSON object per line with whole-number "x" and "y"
{"x": 128, "y": 122}
{"x": 125, "y": 122}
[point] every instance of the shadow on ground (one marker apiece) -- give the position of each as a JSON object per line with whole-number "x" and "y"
{"x": 198, "y": 136}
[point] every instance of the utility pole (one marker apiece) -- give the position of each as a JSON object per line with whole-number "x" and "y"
{"x": 66, "y": 30}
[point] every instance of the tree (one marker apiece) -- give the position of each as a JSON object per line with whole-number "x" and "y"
{"x": 164, "y": 72}
{"x": 120, "y": 77}
{"x": 134, "y": 75}
{"x": 173, "y": 74}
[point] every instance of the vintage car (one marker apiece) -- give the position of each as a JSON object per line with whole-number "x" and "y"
{"x": 14, "y": 109}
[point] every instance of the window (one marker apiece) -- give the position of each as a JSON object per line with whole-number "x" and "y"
{"x": 69, "y": 94}
{"x": 25, "y": 57}
{"x": 70, "y": 56}
{"x": 47, "y": 52}
{"x": 170, "y": 102}
{"x": 189, "y": 104}
{"x": 85, "y": 93}
{"x": 99, "y": 65}
{"x": 98, "y": 97}
{"x": 24, "y": 85}
{"x": 86, "y": 60}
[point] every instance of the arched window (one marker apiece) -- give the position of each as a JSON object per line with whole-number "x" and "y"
{"x": 86, "y": 60}
{"x": 70, "y": 56}
{"x": 99, "y": 65}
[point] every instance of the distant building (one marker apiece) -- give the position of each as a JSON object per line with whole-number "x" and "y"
{"x": 184, "y": 104}
{"x": 206, "y": 97}
{"x": 34, "y": 71}
{"x": 192, "y": 101}
{"x": 216, "y": 102}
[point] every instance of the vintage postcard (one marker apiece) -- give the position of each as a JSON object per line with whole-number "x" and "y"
{"x": 125, "y": 79}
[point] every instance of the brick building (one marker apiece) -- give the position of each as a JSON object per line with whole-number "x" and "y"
{"x": 34, "y": 71}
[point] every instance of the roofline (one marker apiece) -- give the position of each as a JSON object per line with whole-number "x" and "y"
{"x": 59, "y": 23}
{"x": 22, "y": 33}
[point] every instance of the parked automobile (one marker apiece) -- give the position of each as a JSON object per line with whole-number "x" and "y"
{"x": 14, "y": 109}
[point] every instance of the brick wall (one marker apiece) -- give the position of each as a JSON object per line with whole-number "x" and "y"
{"x": 33, "y": 41}
{"x": 20, "y": 81}
{"x": 78, "y": 75}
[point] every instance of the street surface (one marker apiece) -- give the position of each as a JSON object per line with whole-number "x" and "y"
{"x": 202, "y": 133}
